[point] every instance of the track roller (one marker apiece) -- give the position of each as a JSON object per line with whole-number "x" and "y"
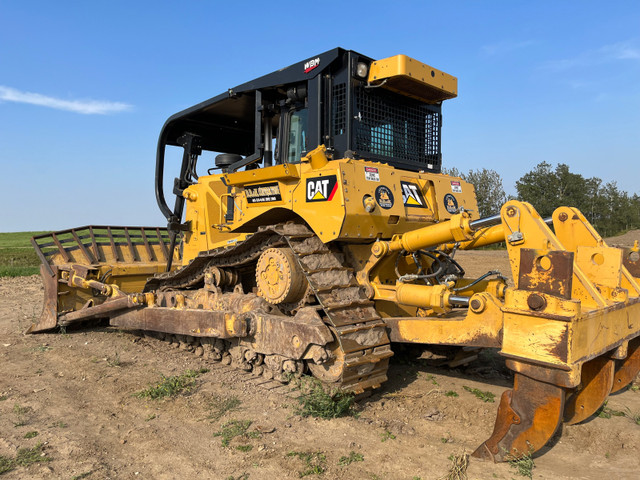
{"x": 528, "y": 416}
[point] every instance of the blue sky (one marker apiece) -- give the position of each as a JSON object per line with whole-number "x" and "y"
{"x": 86, "y": 86}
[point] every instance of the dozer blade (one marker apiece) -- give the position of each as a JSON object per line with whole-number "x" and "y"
{"x": 597, "y": 380}
{"x": 78, "y": 262}
{"x": 528, "y": 416}
{"x": 627, "y": 369}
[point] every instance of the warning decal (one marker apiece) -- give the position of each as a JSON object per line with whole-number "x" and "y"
{"x": 371, "y": 174}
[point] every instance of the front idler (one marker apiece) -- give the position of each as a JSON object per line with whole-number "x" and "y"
{"x": 528, "y": 416}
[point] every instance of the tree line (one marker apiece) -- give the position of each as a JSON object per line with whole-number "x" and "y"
{"x": 608, "y": 208}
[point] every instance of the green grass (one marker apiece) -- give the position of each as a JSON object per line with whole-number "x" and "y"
{"x": 522, "y": 463}
{"x": 315, "y": 462}
{"x": 21, "y": 414}
{"x": 24, "y": 458}
{"x": 387, "y": 435}
{"x": 17, "y": 239}
{"x": 220, "y": 406}
{"x": 235, "y": 428}
{"x": 171, "y": 386}
{"x": 351, "y": 458}
{"x": 484, "y": 396}
{"x": 17, "y": 256}
{"x": 607, "y": 412}
{"x": 316, "y": 401}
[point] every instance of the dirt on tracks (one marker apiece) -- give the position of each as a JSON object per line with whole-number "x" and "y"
{"x": 76, "y": 391}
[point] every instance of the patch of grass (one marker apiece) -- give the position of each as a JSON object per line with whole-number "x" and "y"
{"x": 315, "y": 462}
{"x": 59, "y": 424}
{"x": 24, "y": 458}
{"x": 235, "y": 428}
{"x": 484, "y": 396}
{"x": 220, "y": 406}
{"x": 31, "y": 434}
{"x": 522, "y": 463}
{"x": 458, "y": 468}
{"x": 18, "y": 262}
{"x": 6, "y": 464}
{"x": 28, "y": 456}
{"x": 351, "y": 458}
{"x": 431, "y": 378}
{"x": 150, "y": 417}
{"x": 387, "y": 435}
{"x": 21, "y": 415}
{"x": 172, "y": 386}
{"x": 17, "y": 239}
{"x": 17, "y": 256}
{"x": 43, "y": 348}
{"x": 316, "y": 401}
{"x": 607, "y": 412}
{"x": 115, "y": 361}
{"x": 634, "y": 416}
{"x": 451, "y": 393}
{"x": 634, "y": 388}
{"x": 3, "y": 398}
{"x": 244, "y": 448}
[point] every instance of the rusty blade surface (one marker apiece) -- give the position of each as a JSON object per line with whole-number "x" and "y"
{"x": 627, "y": 369}
{"x": 49, "y": 317}
{"x": 528, "y": 416}
{"x": 597, "y": 380}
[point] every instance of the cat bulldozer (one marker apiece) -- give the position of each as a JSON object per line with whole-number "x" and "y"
{"x": 312, "y": 230}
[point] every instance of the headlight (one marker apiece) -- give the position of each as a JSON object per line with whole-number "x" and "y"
{"x": 362, "y": 69}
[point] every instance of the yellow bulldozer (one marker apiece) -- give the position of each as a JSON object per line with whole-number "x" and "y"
{"x": 323, "y": 232}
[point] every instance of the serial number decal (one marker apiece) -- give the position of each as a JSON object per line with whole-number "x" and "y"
{"x": 411, "y": 195}
{"x": 371, "y": 174}
{"x": 321, "y": 189}
{"x": 265, "y": 192}
{"x": 456, "y": 187}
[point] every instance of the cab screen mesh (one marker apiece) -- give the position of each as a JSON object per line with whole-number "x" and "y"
{"x": 396, "y": 129}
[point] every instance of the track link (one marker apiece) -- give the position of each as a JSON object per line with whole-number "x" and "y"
{"x": 361, "y": 350}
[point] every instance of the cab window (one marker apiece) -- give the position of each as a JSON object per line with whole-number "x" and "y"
{"x": 297, "y": 144}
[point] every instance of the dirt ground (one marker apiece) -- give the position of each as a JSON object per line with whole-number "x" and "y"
{"x": 75, "y": 390}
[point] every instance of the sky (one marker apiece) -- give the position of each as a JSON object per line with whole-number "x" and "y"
{"x": 85, "y": 87}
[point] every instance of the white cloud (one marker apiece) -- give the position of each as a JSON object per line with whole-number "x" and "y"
{"x": 87, "y": 107}
{"x": 605, "y": 54}
{"x": 505, "y": 47}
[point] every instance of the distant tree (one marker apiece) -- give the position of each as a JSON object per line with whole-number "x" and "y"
{"x": 540, "y": 188}
{"x": 489, "y": 190}
{"x": 606, "y": 207}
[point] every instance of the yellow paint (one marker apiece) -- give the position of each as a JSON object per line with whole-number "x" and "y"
{"x": 413, "y": 78}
